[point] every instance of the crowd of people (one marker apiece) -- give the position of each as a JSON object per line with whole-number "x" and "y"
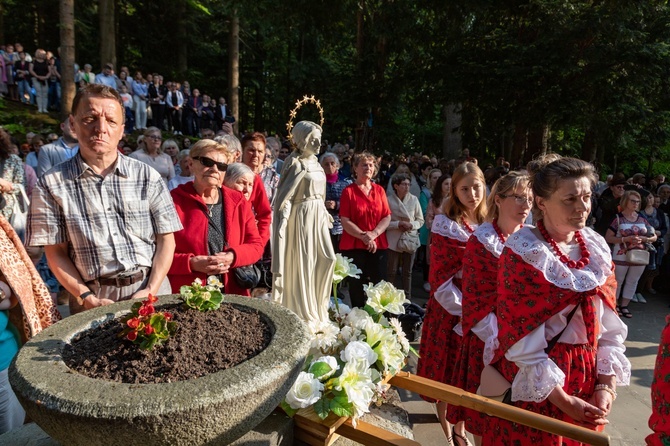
{"x": 529, "y": 271}
{"x": 149, "y": 99}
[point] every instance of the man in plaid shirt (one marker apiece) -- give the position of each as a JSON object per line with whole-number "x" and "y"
{"x": 106, "y": 221}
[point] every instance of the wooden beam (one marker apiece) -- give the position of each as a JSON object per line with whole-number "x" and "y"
{"x": 458, "y": 397}
{"x": 370, "y": 435}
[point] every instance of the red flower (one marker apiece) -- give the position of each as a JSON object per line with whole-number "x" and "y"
{"x": 148, "y": 330}
{"x": 146, "y": 310}
{"x": 151, "y": 299}
{"x": 133, "y": 323}
{"x": 168, "y": 316}
{"x": 132, "y": 336}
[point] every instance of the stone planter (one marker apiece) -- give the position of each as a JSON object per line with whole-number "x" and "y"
{"x": 214, "y": 409}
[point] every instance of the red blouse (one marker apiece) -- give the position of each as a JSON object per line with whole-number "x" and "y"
{"x": 659, "y": 421}
{"x": 365, "y": 211}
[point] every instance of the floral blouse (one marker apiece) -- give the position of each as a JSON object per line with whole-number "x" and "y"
{"x": 12, "y": 171}
{"x": 623, "y": 227}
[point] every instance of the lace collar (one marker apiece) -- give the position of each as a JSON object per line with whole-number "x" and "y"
{"x": 539, "y": 255}
{"x": 446, "y": 227}
{"x": 487, "y": 236}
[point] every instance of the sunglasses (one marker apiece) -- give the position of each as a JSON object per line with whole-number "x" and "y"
{"x": 208, "y": 162}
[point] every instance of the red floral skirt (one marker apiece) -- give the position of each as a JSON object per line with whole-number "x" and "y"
{"x": 467, "y": 374}
{"x": 578, "y": 362}
{"x": 439, "y": 346}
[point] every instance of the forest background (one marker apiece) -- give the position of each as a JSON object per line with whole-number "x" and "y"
{"x": 500, "y": 77}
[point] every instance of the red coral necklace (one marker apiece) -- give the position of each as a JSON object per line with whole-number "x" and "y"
{"x": 581, "y": 263}
{"x": 467, "y": 226}
{"x": 502, "y": 238}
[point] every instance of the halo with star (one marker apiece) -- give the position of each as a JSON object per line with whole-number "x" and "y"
{"x": 298, "y": 104}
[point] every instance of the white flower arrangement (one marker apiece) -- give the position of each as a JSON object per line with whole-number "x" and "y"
{"x": 352, "y": 353}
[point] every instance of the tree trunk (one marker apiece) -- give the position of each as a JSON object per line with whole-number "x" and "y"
{"x": 452, "y": 143}
{"x": 234, "y": 68}
{"x": 107, "y": 34}
{"x": 360, "y": 20}
{"x": 537, "y": 142}
{"x": 589, "y": 146}
{"x": 2, "y": 21}
{"x": 68, "y": 88}
{"x": 182, "y": 41}
{"x": 519, "y": 142}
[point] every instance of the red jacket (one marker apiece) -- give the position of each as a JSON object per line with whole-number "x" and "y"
{"x": 240, "y": 230}
{"x": 261, "y": 207}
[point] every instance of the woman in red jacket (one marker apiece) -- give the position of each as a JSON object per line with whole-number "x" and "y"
{"x": 220, "y": 231}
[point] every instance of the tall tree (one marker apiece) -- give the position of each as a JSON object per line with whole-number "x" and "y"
{"x": 107, "y": 16}
{"x": 67, "y": 53}
{"x": 234, "y": 67}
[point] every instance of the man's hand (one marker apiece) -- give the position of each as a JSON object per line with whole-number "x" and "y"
{"x": 94, "y": 302}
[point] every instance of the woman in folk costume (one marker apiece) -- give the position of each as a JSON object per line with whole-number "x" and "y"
{"x": 562, "y": 363}
{"x": 441, "y": 333}
{"x": 508, "y": 206}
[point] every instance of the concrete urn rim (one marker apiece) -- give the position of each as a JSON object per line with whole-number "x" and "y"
{"x": 212, "y": 409}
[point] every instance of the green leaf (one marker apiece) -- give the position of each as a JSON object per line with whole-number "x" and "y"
{"x": 322, "y": 408}
{"x": 319, "y": 369}
{"x": 369, "y": 310}
{"x": 288, "y": 409}
{"x": 341, "y": 406}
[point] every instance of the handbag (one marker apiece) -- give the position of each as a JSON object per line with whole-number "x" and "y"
{"x": 248, "y": 276}
{"x": 493, "y": 384}
{"x": 637, "y": 257}
{"x": 20, "y": 208}
{"x": 408, "y": 241}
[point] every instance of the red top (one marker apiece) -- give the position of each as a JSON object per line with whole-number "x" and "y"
{"x": 261, "y": 206}
{"x": 480, "y": 283}
{"x": 240, "y": 230}
{"x": 365, "y": 211}
{"x": 659, "y": 421}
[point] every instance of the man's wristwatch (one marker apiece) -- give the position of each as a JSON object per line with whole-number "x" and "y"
{"x": 84, "y": 295}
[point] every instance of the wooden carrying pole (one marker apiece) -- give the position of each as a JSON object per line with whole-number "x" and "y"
{"x": 458, "y": 397}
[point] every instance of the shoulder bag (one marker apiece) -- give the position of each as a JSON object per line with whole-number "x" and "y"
{"x": 20, "y": 208}
{"x": 493, "y": 385}
{"x": 636, "y": 256}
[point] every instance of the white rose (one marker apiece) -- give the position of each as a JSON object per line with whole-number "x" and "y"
{"x": 331, "y": 361}
{"x": 358, "y": 318}
{"x": 305, "y": 391}
{"x": 359, "y": 350}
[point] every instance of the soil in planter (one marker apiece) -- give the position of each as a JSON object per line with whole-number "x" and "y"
{"x": 204, "y": 343}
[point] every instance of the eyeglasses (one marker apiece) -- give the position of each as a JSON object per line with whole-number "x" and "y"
{"x": 518, "y": 199}
{"x": 635, "y": 201}
{"x": 155, "y": 138}
{"x": 208, "y": 162}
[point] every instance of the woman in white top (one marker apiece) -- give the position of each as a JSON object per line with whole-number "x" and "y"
{"x": 406, "y": 218}
{"x": 150, "y": 152}
{"x": 629, "y": 230}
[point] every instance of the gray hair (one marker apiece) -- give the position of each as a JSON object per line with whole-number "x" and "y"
{"x": 327, "y": 155}
{"x": 273, "y": 144}
{"x": 231, "y": 142}
{"x": 183, "y": 154}
{"x": 236, "y": 171}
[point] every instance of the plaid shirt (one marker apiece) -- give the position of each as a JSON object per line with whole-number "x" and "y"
{"x": 110, "y": 223}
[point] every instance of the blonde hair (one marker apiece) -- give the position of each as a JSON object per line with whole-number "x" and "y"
{"x": 364, "y": 156}
{"x": 207, "y": 145}
{"x": 625, "y": 198}
{"x": 505, "y": 184}
{"x": 453, "y": 208}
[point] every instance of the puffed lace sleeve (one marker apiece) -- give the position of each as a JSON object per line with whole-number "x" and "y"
{"x": 538, "y": 375}
{"x": 487, "y": 331}
{"x": 611, "y": 358}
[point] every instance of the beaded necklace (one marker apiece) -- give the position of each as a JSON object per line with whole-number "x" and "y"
{"x": 502, "y": 238}
{"x": 585, "y": 254}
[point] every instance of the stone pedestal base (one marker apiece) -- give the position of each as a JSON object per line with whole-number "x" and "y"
{"x": 275, "y": 430}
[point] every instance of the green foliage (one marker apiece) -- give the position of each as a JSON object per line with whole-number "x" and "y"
{"x": 202, "y": 297}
